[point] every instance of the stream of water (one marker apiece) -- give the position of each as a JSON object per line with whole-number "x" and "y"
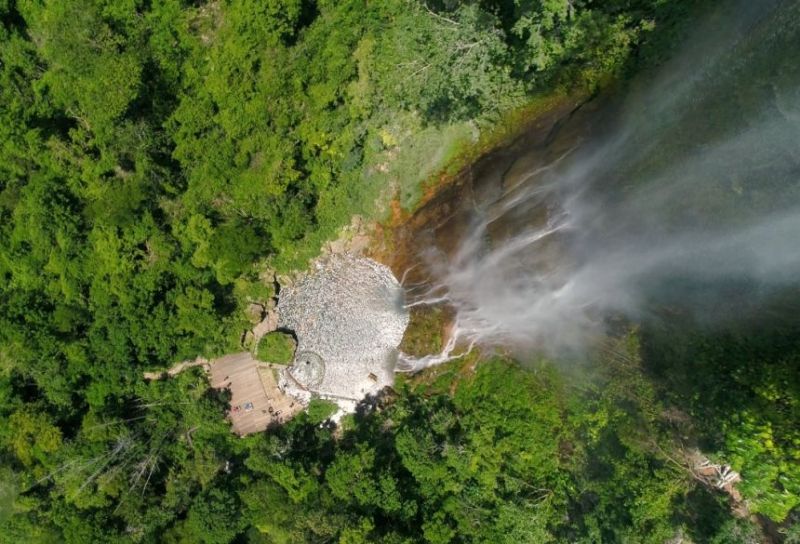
{"x": 683, "y": 191}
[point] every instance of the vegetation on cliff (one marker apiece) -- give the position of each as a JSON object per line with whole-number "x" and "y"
{"x": 155, "y": 155}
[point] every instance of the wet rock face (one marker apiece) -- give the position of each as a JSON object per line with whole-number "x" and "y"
{"x": 308, "y": 370}
{"x": 348, "y": 315}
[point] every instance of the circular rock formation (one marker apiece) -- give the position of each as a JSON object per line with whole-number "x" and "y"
{"x": 308, "y": 370}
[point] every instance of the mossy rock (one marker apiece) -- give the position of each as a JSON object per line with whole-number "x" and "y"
{"x": 426, "y": 330}
{"x": 276, "y": 347}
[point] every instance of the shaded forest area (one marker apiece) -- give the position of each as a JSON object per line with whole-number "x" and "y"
{"x": 157, "y": 156}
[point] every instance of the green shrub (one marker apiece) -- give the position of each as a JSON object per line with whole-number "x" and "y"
{"x": 319, "y": 410}
{"x": 276, "y": 347}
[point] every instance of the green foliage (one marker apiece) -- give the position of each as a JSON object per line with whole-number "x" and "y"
{"x": 320, "y": 410}
{"x": 213, "y": 519}
{"x": 745, "y": 384}
{"x": 276, "y": 347}
{"x": 466, "y": 472}
{"x": 514, "y": 455}
{"x": 736, "y": 532}
{"x": 425, "y": 332}
{"x": 156, "y": 156}
{"x": 32, "y": 436}
{"x": 8, "y": 495}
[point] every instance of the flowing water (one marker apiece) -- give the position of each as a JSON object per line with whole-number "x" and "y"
{"x": 684, "y": 192}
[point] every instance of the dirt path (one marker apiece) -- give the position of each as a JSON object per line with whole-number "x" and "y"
{"x": 177, "y": 369}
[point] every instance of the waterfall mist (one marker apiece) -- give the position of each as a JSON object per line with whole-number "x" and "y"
{"x": 688, "y": 193}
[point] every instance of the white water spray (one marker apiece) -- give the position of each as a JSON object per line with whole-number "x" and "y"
{"x": 697, "y": 187}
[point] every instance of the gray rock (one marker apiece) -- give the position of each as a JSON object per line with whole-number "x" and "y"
{"x": 349, "y": 312}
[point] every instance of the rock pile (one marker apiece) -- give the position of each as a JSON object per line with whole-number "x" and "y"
{"x": 348, "y": 315}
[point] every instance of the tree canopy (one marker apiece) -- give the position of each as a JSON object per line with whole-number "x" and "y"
{"x": 157, "y": 157}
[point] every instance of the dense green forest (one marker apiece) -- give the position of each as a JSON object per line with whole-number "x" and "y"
{"x": 158, "y": 156}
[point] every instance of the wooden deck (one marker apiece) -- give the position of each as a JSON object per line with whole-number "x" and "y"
{"x": 256, "y": 401}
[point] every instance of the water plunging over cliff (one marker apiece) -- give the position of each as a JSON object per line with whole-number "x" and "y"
{"x": 687, "y": 192}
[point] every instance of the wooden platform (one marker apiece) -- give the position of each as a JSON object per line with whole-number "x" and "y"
{"x": 256, "y": 401}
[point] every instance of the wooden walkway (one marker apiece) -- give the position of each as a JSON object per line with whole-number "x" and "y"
{"x": 256, "y": 401}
